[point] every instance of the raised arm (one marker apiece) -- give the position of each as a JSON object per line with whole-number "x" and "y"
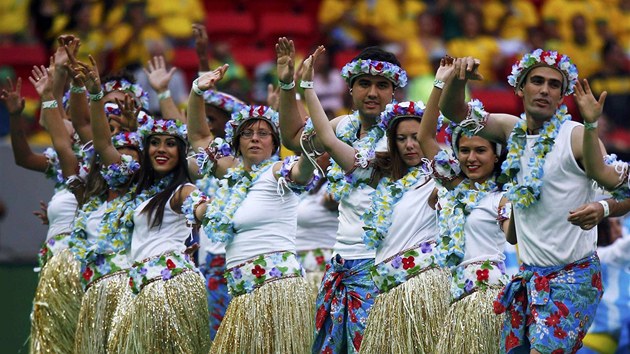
{"x": 429, "y": 122}
{"x": 199, "y": 134}
{"x": 78, "y": 110}
{"x": 201, "y": 46}
{"x": 341, "y": 152}
{"x": 159, "y": 78}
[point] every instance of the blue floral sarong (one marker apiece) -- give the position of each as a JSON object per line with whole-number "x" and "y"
{"x": 216, "y": 289}
{"x": 345, "y": 297}
{"x": 550, "y": 308}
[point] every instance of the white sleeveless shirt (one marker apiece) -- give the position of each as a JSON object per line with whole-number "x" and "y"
{"x": 148, "y": 241}
{"x": 208, "y": 185}
{"x": 61, "y": 211}
{"x": 413, "y": 221}
{"x": 545, "y": 237}
{"x": 316, "y": 225}
{"x": 483, "y": 239}
{"x": 264, "y": 222}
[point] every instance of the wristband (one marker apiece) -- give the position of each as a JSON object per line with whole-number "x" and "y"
{"x": 97, "y": 96}
{"x": 77, "y": 89}
{"x": 590, "y": 126}
{"x": 196, "y": 89}
{"x": 606, "y": 207}
{"x": 164, "y": 95}
{"x": 50, "y": 104}
{"x": 438, "y": 84}
{"x": 307, "y": 84}
{"x": 286, "y": 86}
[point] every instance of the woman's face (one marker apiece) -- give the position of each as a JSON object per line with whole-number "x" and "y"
{"x": 256, "y": 142}
{"x": 476, "y": 158}
{"x": 407, "y": 142}
{"x": 163, "y": 153}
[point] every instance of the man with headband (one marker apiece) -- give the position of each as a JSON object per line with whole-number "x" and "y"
{"x": 551, "y": 302}
{"x": 347, "y": 291}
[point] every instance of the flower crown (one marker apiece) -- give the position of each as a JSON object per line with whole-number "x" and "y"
{"x": 390, "y": 71}
{"x": 251, "y": 112}
{"x": 141, "y": 96}
{"x": 223, "y": 101}
{"x": 151, "y": 126}
{"x": 124, "y": 139}
{"x": 395, "y": 111}
{"x": 553, "y": 59}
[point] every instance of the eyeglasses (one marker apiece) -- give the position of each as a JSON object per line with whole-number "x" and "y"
{"x": 248, "y": 134}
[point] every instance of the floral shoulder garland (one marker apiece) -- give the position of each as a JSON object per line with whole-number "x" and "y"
{"x": 378, "y": 217}
{"x": 53, "y": 170}
{"x": 622, "y": 190}
{"x": 522, "y": 195}
{"x": 459, "y": 203}
{"x": 217, "y": 221}
{"x": 118, "y": 174}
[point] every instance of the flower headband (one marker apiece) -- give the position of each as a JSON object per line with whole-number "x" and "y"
{"x": 125, "y": 139}
{"x": 553, "y": 59}
{"x": 390, "y": 71}
{"x": 141, "y": 96}
{"x": 394, "y": 111}
{"x": 223, "y": 101}
{"x": 251, "y": 112}
{"x": 161, "y": 126}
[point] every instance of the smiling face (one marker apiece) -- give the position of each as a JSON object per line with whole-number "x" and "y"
{"x": 163, "y": 153}
{"x": 370, "y": 95}
{"x": 256, "y": 142}
{"x": 476, "y": 158}
{"x": 541, "y": 93}
{"x": 407, "y": 142}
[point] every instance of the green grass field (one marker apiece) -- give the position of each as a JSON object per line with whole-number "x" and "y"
{"x": 16, "y": 298}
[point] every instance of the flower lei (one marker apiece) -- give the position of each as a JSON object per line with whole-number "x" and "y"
{"x": 124, "y": 139}
{"x": 223, "y": 101}
{"x": 377, "y": 218}
{"x": 459, "y": 203}
{"x": 390, "y": 71}
{"x": 206, "y": 158}
{"x": 217, "y": 222}
{"x": 161, "y": 126}
{"x": 53, "y": 169}
{"x": 141, "y": 96}
{"x": 117, "y": 174}
{"x": 622, "y": 190}
{"x": 522, "y": 195}
{"x": 251, "y": 112}
{"x": 539, "y": 57}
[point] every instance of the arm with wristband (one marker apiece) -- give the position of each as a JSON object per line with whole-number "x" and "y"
{"x": 159, "y": 79}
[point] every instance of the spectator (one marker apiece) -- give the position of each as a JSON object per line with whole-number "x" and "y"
{"x": 14, "y": 16}
{"x": 329, "y": 86}
{"x": 560, "y": 13}
{"x": 584, "y": 46}
{"x": 509, "y": 20}
{"x": 175, "y": 18}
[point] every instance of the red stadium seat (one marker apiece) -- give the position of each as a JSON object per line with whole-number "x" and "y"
{"x": 499, "y": 100}
{"x": 251, "y": 56}
{"x": 273, "y": 25}
{"x": 230, "y": 23}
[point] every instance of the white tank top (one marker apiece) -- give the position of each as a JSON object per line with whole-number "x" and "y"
{"x": 349, "y": 243}
{"x": 545, "y": 237}
{"x": 61, "y": 211}
{"x": 316, "y": 225}
{"x": 483, "y": 239}
{"x": 413, "y": 221}
{"x": 208, "y": 185}
{"x": 147, "y": 241}
{"x": 264, "y": 223}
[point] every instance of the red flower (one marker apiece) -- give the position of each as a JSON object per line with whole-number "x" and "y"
{"x": 520, "y": 297}
{"x": 558, "y": 351}
{"x": 320, "y": 317}
{"x": 218, "y": 261}
{"x": 482, "y": 274}
{"x": 584, "y": 265}
{"x": 258, "y": 271}
{"x": 408, "y": 262}
{"x": 498, "y": 307}
{"x": 327, "y": 350}
{"x": 319, "y": 259}
{"x": 87, "y": 273}
{"x": 170, "y": 264}
{"x": 596, "y": 281}
{"x": 511, "y": 341}
{"x": 43, "y": 251}
{"x": 131, "y": 282}
{"x": 569, "y": 266}
{"x": 378, "y": 66}
{"x": 559, "y": 333}
{"x": 542, "y": 284}
{"x": 517, "y": 319}
{"x": 564, "y": 310}
{"x": 356, "y": 341}
{"x": 213, "y": 284}
{"x": 553, "y": 319}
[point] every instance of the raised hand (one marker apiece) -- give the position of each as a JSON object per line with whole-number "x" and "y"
{"x": 309, "y": 64}
{"x": 208, "y": 80}
{"x": 129, "y": 110}
{"x": 445, "y": 69}
{"x": 158, "y": 76}
{"x": 12, "y": 98}
{"x": 61, "y": 56}
{"x": 466, "y": 68}
{"x": 42, "y": 213}
{"x": 201, "y": 45}
{"x": 85, "y": 73}
{"x": 285, "y": 54}
{"x": 590, "y": 108}
{"x": 39, "y": 79}
{"x": 273, "y": 97}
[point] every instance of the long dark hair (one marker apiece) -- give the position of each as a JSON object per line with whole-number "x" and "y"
{"x": 148, "y": 177}
{"x": 390, "y": 163}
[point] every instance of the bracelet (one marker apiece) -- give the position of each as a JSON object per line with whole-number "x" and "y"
{"x": 438, "y": 83}
{"x": 196, "y": 89}
{"x": 285, "y": 86}
{"x": 97, "y": 96}
{"x": 306, "y": 84}
{"x": 164, "y": 95}
{"x": 606, "y": 207}
{"x": 590, "y": 126}
{"x": 50, "y": 104}
{"x": 77, "y": 89}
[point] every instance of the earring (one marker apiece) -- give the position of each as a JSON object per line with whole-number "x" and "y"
{"x": 351, "y": 91}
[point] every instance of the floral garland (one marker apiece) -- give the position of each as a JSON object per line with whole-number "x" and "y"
{"x": 622, "y": 190}
{"x": 251, "y": 112}
{"x": 161, "y": 126}
{"x": 217, "y": 222}
{"x": 124, "y": 139}
{"x": 206, "y": 158}
{"x": 285, "y": 177}
{"x": 378, "y": 218}
{"x": 390, "y": 71}
{"x": 459, "y": 203}
{"x": 551, "y": 58}
{"x": 221, "y": 100}
{"x": 522, "y": 195}
{"x": 53, "y": 168}
{"x": 141, "y": 96}
{"x": 118, "y": 174}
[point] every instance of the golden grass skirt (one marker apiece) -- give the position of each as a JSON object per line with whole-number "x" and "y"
{"x": 56, "y": 305}
{"x": 410, "y": 317}
{"x": 471, "y": 325}
{"x": 274, "y": 318}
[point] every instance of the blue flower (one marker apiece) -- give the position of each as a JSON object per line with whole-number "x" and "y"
{"x": 166, "y": 274}
{"x": 275, "y": 272}
{"x": 397, "y": 262}
{"x": 237, "y": 273}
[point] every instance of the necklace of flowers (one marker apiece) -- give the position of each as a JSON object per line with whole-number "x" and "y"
{"x": 234, "y": 186}
{"x": 388, "y": 193}
{"x": 458, "y": 204}
{"x": 522, "y": 195}
{"x": 342, "y": 183}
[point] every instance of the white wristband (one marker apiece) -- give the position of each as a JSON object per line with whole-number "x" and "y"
{"x": 50, "y": 104}
{"x": 97, "y": 96}
{"x": 590, "y": 126}
{"x": 196, "y": 89}
{"x": 307, "y": 84}
{"x": 438, "y": 84}
{"x": 164, "y": 95}
{"x": 285, "y": 86}
{"x": 606, "y": 207}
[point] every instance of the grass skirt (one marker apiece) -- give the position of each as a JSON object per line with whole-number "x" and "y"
{"x": 314, "y": 279}
{"x": 56, "y": 305}
{"x": 472, "y": 326}
{"x": 275, "y": 318}
{"x": 165, "y": 317}
{"x": 97, "y": 312}
{"x": 410, "y": 317}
